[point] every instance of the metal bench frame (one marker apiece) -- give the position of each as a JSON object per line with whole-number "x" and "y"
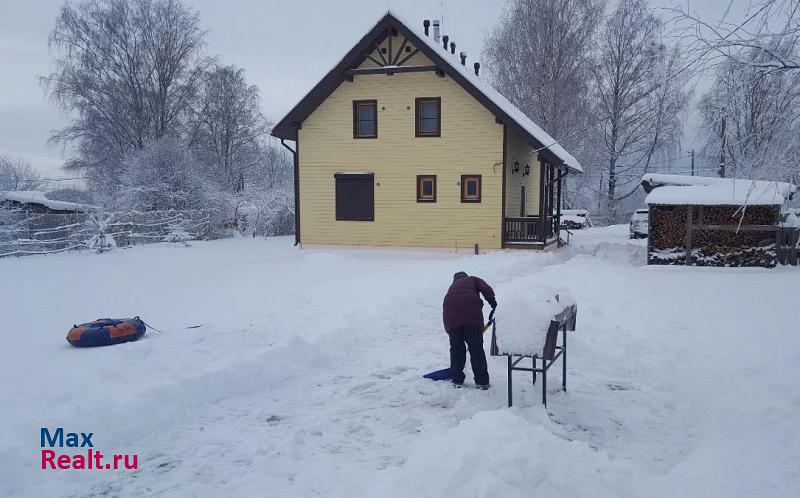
{"x": 563, "y": 323}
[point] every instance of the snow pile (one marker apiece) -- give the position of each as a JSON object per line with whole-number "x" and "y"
{"x": 707, "y": 191}
{"x": 526, "y": 312}
{"x": 499, "y": 453}
{"x": 792, "y": 219}
{"x": 37, "y": 197}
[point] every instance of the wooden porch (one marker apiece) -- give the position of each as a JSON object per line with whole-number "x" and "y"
{"x": 531, "y": 232}
{"x": 542, "y": 230}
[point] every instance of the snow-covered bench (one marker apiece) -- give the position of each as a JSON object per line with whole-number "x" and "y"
{"x": 530, "y": 323}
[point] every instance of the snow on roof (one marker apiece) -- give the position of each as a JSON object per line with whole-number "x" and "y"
{"x": 708, "y": 191}
{"x": 503, "y": 103}
{"x": 525, "y": 315}
{"x": 38, "y": 197}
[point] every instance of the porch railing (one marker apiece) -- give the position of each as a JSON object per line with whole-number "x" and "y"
{"x": 528, "y": 229}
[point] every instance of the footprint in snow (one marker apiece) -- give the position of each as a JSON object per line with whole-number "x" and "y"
{"x": 620, "y": 387}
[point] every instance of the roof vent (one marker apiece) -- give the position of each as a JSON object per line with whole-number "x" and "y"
{"x": 452, "y": 47}
{"x": 445, "y": 39}
{"x": 463, "y": 56}
{"x": 427, "y": 25}
{"x": 477, "y": 67}
{"x": 436, "y": 30}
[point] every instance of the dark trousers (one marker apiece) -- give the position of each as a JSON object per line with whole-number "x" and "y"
{"x": 473, "y": 338}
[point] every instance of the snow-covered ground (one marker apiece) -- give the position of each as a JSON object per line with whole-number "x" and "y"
{"x": 304, "y": 379}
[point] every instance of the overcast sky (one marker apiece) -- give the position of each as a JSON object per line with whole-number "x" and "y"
{"x": 285, "y": 47}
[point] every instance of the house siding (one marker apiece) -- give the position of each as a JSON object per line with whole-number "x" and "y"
{"x": 471, "y": 142}
{"x": 518, "y": 150}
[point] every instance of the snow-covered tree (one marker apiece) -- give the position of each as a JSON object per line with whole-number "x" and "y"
{"x": 161, "y": 176}
{"x": 540, "y": 57}
{"x": 17, "y": 174}
{"x": 127, "y": 70}
{"x": 227, "y": 127}
{"x": 761, "y": 110}
{"x": 766, "y": 36}
{"x": 639, "y": 95}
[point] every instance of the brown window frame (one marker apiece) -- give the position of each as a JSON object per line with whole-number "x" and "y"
{"x": 464, "y": 197}
{"x": 343, "y": 208}
{"x": 417, "y": 103}
{"x": 356, "y": 104}
{"x": 420, "y": 179}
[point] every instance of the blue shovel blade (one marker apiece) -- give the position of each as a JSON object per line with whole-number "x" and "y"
{"x": 443, "y": 374}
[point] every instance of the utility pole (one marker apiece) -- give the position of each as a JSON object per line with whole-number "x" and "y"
{"x": 722, "y": 149}
{"x": 692, "y": 162}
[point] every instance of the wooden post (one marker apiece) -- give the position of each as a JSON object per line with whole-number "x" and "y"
{"x": 649, "y": 230}
{"x": 689, "y": 212}
{"x": 542, "y": 180}
{"x": 503, "y": 198}
{"x": 550, "y": 187}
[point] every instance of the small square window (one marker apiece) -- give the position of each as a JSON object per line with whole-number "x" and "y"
{"x": 365, "y": 119}
{"x": 426, "y": 188}
{"x": 429, "y": 117}
{"x": 470, "y": 188}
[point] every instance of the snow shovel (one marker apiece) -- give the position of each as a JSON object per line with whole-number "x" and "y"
{"x": 444, "y": 374}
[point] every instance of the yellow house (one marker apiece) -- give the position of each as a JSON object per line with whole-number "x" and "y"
{"x": 402, "y": 144}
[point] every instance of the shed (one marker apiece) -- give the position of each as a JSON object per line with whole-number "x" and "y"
{"x": 714, "y": 221}
{"x": 35, "y": 201}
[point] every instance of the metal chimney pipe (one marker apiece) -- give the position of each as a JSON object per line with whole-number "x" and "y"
{"x": 445, "y": 38}
{"x": 477, "y": 67}
{"x": 427, "y": 25}
{"x": 436, "y": 30}
{"x": 452, "y": 47}
{"x": 463, "y": 56}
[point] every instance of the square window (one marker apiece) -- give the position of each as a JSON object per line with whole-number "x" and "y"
{"x": 470, "y": 188}
{"x": 429, "y": 117}
{"x": 426, "y": 188}
{"x": 365, "y": 119}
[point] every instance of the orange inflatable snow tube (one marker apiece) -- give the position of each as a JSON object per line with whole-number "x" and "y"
{"x": 106, "y": 332}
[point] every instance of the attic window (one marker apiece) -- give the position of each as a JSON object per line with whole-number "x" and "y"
{"x": 470, "y": 188}
{"x": 365, "y": 119}
{"x": 429, "y": 117}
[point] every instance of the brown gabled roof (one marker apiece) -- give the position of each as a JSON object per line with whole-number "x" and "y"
{"x": 551, "y": 151}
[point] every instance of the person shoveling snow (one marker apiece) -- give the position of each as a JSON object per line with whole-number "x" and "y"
{"x": 462, "y": 313}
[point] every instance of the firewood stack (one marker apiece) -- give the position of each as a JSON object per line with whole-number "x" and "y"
{"x": 712, "y": 247}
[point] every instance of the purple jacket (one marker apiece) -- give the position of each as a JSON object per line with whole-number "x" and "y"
{"x": 463, "y": 307}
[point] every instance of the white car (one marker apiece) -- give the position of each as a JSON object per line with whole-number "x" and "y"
{"x": 640, "y": 224}
{"x": 575, "y": 219}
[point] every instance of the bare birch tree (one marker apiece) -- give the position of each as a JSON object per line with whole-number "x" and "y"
{"x": 17, "y": 174}
{"x": 762, "y": 113}
{"x": 638, "y": 96}
{"x": 766, "y": 37}
{"x": 227, "y": 127}
{"x": 127, "y": 70}
{"x": 539, "y": 54}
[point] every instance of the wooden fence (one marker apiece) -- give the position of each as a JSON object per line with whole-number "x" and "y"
{"x": 24, "y": 233}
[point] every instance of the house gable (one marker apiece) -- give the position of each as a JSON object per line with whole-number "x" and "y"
{"x": 377, "y": 39}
